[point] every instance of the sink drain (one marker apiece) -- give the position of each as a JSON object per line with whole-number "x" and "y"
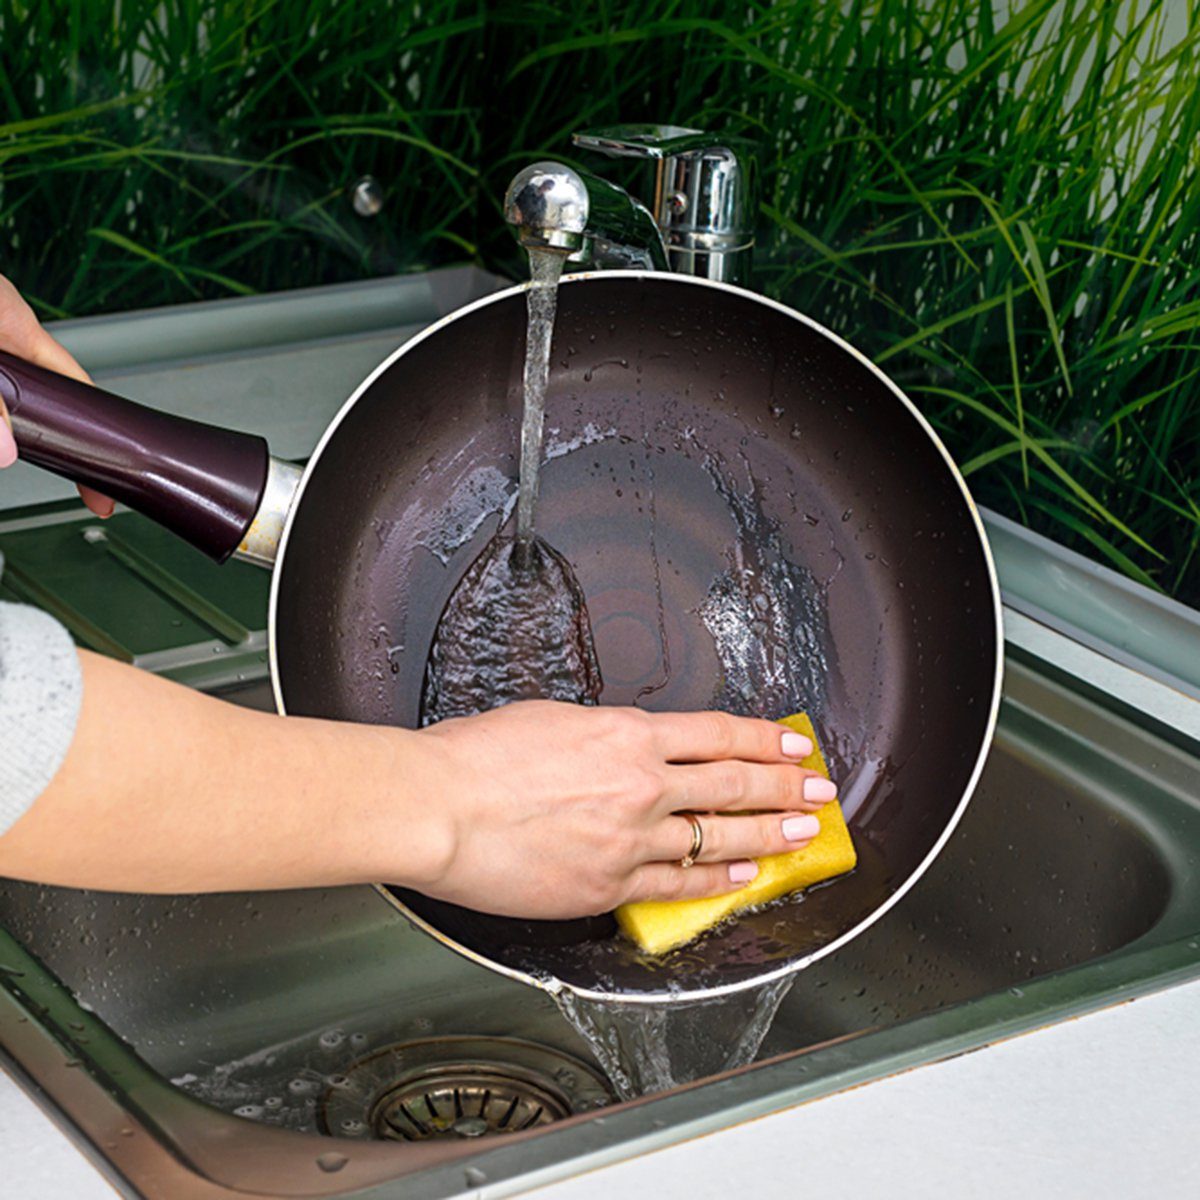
{"x": 458, "y": 1087}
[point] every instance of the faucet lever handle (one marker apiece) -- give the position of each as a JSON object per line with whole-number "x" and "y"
{"x": 704, "y": 192}
{"x": 656, "y": 141}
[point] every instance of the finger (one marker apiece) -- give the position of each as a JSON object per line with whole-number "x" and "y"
{"x": 8, "y": 447}
{"x": 726, "y": 839}
{"x": 711, "y": 736}
{"x": 670, "y": 881}
{"x": 23, "y": 334}
{"x": 43, "y": 349}
{"x": 100, "y": 504}
{"x": 818, "y": 791}
{"x": 707, "y": 787}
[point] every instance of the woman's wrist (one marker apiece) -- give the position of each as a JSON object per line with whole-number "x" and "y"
{"x": 394, "y": 790}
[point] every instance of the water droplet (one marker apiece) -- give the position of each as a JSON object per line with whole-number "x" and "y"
{"x": 475, "y": 1177}
{"x": 331, "y": 1161}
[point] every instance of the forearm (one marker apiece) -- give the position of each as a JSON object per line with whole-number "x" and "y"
{"x": 167, "y": 790}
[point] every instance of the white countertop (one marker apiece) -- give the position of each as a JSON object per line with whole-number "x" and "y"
{"x": 1103, "y": 1106}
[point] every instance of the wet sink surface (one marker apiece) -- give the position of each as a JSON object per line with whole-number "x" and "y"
{"x": 1043, "y": 873}
{"x": 1080, "y": 847}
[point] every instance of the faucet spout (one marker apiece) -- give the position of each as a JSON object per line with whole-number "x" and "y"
{"x": 552, "y": 206}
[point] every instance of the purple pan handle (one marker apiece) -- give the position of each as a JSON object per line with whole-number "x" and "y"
{"x": 201, "y": 482}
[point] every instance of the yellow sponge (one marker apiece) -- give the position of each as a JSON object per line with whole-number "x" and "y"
{"x": 661, "y": 925}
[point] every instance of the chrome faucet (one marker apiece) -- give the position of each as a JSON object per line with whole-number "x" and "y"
{"x": 702, "y": 217}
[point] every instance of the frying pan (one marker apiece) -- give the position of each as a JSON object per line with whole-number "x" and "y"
{"x": 760, "y": 521}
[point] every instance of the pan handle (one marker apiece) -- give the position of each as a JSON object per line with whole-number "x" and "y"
{"x": 203, "y": 483}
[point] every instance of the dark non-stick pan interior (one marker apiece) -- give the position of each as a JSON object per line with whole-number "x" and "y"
{"x": 759, "y": 523}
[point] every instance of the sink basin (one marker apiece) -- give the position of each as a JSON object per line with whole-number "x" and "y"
{"x": 1071, "y": 883}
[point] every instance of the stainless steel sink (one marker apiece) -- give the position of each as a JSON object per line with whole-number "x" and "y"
{"x": 1073, "y": 882}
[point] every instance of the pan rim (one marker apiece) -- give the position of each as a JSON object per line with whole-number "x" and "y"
{"x": 556, "y": 986}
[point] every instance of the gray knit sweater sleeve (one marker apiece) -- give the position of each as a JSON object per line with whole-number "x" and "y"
{"x": 40, "y": 693}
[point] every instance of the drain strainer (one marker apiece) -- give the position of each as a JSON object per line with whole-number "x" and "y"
{"x": 458, "y": 1087}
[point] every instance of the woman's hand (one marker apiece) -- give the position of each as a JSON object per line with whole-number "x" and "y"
{"x": 21, "y": 333}
{"x": 553, "y": 810}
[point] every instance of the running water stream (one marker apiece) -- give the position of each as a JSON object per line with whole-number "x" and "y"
{"x": 647, "y": 1048}
{"x": 545, "y": 269}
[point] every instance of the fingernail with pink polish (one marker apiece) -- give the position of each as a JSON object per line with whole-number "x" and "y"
{"x": 8, "y": 447}
{"x": 801, "y": 829}
{"x": 742, "y": 872}
{"x": 816, "y": 788}
{"x": 796, "y": 745}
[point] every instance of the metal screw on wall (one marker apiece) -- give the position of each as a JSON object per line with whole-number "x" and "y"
{"x": 367, "y": 196}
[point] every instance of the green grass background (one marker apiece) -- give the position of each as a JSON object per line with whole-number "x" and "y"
{"x": 999, "y": 203}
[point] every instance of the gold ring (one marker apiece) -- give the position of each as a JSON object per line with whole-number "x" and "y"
{"x": 689, "y": 859}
